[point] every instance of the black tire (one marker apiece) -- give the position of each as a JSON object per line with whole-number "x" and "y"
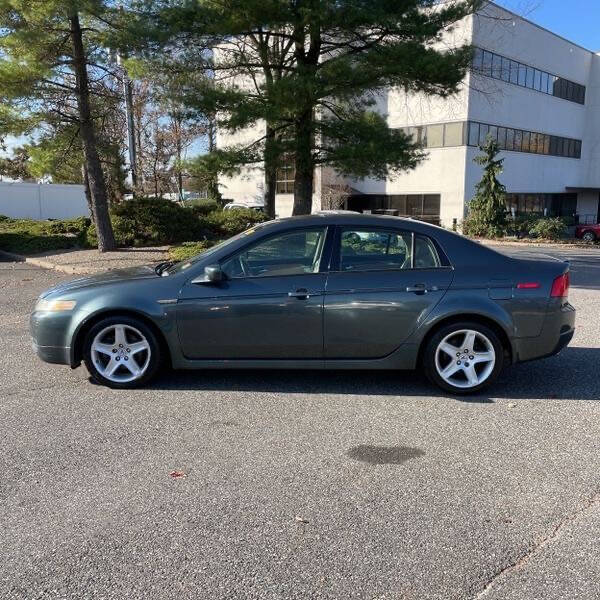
{"x": 429, "y": 356}
{"x": 154, "y": 359}
{"x": 589, "y": 236}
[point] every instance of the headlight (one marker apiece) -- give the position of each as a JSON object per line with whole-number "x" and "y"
{"x": 54, "y": 305}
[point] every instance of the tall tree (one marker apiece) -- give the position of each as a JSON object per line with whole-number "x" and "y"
{"x": 331, "y": 58}
{"x": 487, "y": 209}
{"x": 52, "y": 62}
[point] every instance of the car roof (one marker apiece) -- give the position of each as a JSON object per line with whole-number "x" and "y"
{"x": 458, "y": 248}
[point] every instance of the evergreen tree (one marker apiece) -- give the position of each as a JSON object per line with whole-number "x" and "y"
{"x": 52, "y": 62}
{"x": 487, "y": 209}
{"x": 309, "y": 72}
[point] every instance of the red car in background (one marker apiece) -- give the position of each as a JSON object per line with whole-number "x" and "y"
{"x": 589, "y": 233}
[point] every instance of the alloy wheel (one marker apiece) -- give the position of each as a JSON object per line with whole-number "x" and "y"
{"x": 121, "y": 353}
{"x": 465, "y": 358}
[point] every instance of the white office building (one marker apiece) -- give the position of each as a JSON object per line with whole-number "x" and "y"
{"x": 536, "y": 92}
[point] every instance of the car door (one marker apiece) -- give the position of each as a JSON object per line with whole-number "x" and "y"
{"x": 269, "y": 305}
{"x": 382, "y": 285}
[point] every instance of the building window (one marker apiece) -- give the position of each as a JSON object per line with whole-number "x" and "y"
{"x": 493, "y": 65}
{"x": 543, "y": 205}
{"x": 524, "y": 141}
{"x": 286, "y": 174}
{"x": 425, "y": 207}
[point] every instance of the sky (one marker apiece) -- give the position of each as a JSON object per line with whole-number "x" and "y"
{"x": 576, "y": 20}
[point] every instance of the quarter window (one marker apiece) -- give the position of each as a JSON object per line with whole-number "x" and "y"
{"x": 291, "y": 253}
{"x": 426, "y": 256}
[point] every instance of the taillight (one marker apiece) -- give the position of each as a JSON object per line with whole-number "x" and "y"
{"x": 560, "y": 286}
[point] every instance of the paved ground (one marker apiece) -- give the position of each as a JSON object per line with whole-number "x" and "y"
{"x": 299, "y": 485}
{"x": 92, "y": 261}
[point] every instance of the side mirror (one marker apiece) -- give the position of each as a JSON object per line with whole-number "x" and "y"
{"x": 212, "y": 274}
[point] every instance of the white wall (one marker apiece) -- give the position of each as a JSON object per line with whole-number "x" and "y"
{"x": 42, "y": 201}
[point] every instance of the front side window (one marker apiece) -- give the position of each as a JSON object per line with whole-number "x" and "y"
{"x": 375, "y": 250}
{"x": 291, "y": 253}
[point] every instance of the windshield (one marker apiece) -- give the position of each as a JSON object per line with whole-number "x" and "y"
{"x": 186, "y": 264}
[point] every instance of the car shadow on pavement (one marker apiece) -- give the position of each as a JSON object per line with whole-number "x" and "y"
{"x": 572, "y": 375}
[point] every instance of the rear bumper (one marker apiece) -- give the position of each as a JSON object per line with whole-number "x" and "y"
{"x": 557, "y": 331}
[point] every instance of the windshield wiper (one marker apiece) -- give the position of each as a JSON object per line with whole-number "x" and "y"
{"x": 164, "y": 265}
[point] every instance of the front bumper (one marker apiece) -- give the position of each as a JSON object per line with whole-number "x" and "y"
{"x": 58, "y": 355}
{"x": 49, "y": 336}
{"x": 557, "y": 331}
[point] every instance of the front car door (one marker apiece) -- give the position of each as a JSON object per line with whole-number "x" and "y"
{"x": 382, "y": 285}
{"x": 269, "y": 306}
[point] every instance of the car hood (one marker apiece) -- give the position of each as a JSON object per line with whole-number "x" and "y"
{"x": 113, "y": 276}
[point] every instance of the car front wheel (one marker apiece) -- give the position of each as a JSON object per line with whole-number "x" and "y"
{"x": 121, "y": 352}
{"x": 463, "y": 358}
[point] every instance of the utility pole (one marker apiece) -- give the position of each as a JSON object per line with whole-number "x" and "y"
{"x": 128, "y": 94}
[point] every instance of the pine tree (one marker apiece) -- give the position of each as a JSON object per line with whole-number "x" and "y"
{"x": 309, "y": 71}
{"x": 487, "y": 209}
{"x": 52, "y": 61}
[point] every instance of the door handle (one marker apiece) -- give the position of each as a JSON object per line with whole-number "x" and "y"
{"x": 301, "y": 294}
{"x": 418, "y": 288}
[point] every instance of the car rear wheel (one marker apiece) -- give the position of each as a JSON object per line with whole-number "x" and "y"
{"x": 589, "y": 236}
{"x": 121, "y": 352}
{"x": 463, "y": 358}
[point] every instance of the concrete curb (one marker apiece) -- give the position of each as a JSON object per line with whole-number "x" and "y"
{"x": 46, "y": 264}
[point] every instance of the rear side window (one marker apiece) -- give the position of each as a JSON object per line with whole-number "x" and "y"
{"x": 375, "y": 250}
{"x": 426, "y": 256}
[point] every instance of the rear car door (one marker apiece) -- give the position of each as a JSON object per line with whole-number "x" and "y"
{"x": 269, "y": 306}
{"x": 382, "y": 285}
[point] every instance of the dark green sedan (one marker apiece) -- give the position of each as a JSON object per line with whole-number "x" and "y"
{"x": 333, "y": 290}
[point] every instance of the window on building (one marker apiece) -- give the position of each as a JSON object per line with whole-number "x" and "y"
{"x": 486, "y": 67}
{"x": 530, "y": 77}
{"x": 435, "y": 136}
{"x": 502, "y": 138}
{"x": 510, "y": 139}
{"x": 453, "y": 134}
{"x": 514, "y": 72}
{"x": 477, "y": 59}
{"x": 285, "y": 175}
{"x": 431, "y": 205}
{"x": 483, "y": 131}
{"x": 518, "y": 140}
{"x": 473, "y": 133}
{"x": 533, "y": 143}
{"x": 496, "y": 66}
{"x": 499, "y": 67}
{"x": 525, "y": 141}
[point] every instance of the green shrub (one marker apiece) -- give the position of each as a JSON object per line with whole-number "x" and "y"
{"x": 23, "y": 242}
{"x": 76, "y": 226}
{"x": 225, "y": 223}
{"x": 152, "y": 221}
{"x": 550, "y": 229}
{"x": 475, "y": 226}
{"x": 520, "y": 226}
{"x": 189, "y": 249}
{"x": 202, "y": 206}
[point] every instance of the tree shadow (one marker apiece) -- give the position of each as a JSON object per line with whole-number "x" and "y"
{"x": 571, "y": 375}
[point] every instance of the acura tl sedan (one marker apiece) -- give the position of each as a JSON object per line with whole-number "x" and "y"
{"x": 333, "y": 290}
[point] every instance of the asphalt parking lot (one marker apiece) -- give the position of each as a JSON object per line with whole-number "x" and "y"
{"x": 299, "y": 484}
